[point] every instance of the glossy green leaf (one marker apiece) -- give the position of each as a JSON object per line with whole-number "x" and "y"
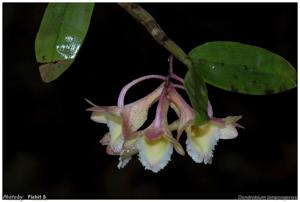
{"x": 197, "y": 92}
{"x": 243, "y": 68}
{"x": 60, "y": 36}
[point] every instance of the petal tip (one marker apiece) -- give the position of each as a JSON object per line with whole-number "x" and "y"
{"x": 228, "y": 132}
{"x": 123, "y": 162}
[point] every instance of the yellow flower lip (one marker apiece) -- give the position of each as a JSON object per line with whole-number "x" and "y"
{"x": 201, "y": 141}
{"x": 154, "y": 154}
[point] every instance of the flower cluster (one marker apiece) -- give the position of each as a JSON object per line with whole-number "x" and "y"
{"x": 154, "y": 144}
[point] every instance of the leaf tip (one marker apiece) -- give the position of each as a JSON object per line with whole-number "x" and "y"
{"x": 51, "y": 71}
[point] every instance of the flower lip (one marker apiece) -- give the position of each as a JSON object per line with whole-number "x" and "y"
{"x": 154, "y": 155}
{"x": 201, "y": 141}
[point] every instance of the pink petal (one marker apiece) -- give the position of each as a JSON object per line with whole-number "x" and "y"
{"x": 105, "y": 140}
{"x": 109, "y": 151}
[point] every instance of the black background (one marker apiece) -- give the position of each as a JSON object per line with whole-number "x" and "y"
{"x": 51, "y": 147}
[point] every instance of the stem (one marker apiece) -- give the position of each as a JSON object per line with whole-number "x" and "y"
{"x": 174, "y": 76}
{"x": 132, "y": 83}
{"x": 143, "y": 17}
{"x": 170, "y": 65}
{"x": 179, "y": 86}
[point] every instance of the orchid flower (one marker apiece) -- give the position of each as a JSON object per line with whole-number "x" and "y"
{"x": 154, "y": 145}
{"x": 201, "y": 140}
{"x": 122, "y": 120}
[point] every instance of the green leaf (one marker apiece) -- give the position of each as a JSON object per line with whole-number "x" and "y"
{"x": 61, "y": 34}
{"x": 243, "y": 68}
{"x": 197, "y": 92}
